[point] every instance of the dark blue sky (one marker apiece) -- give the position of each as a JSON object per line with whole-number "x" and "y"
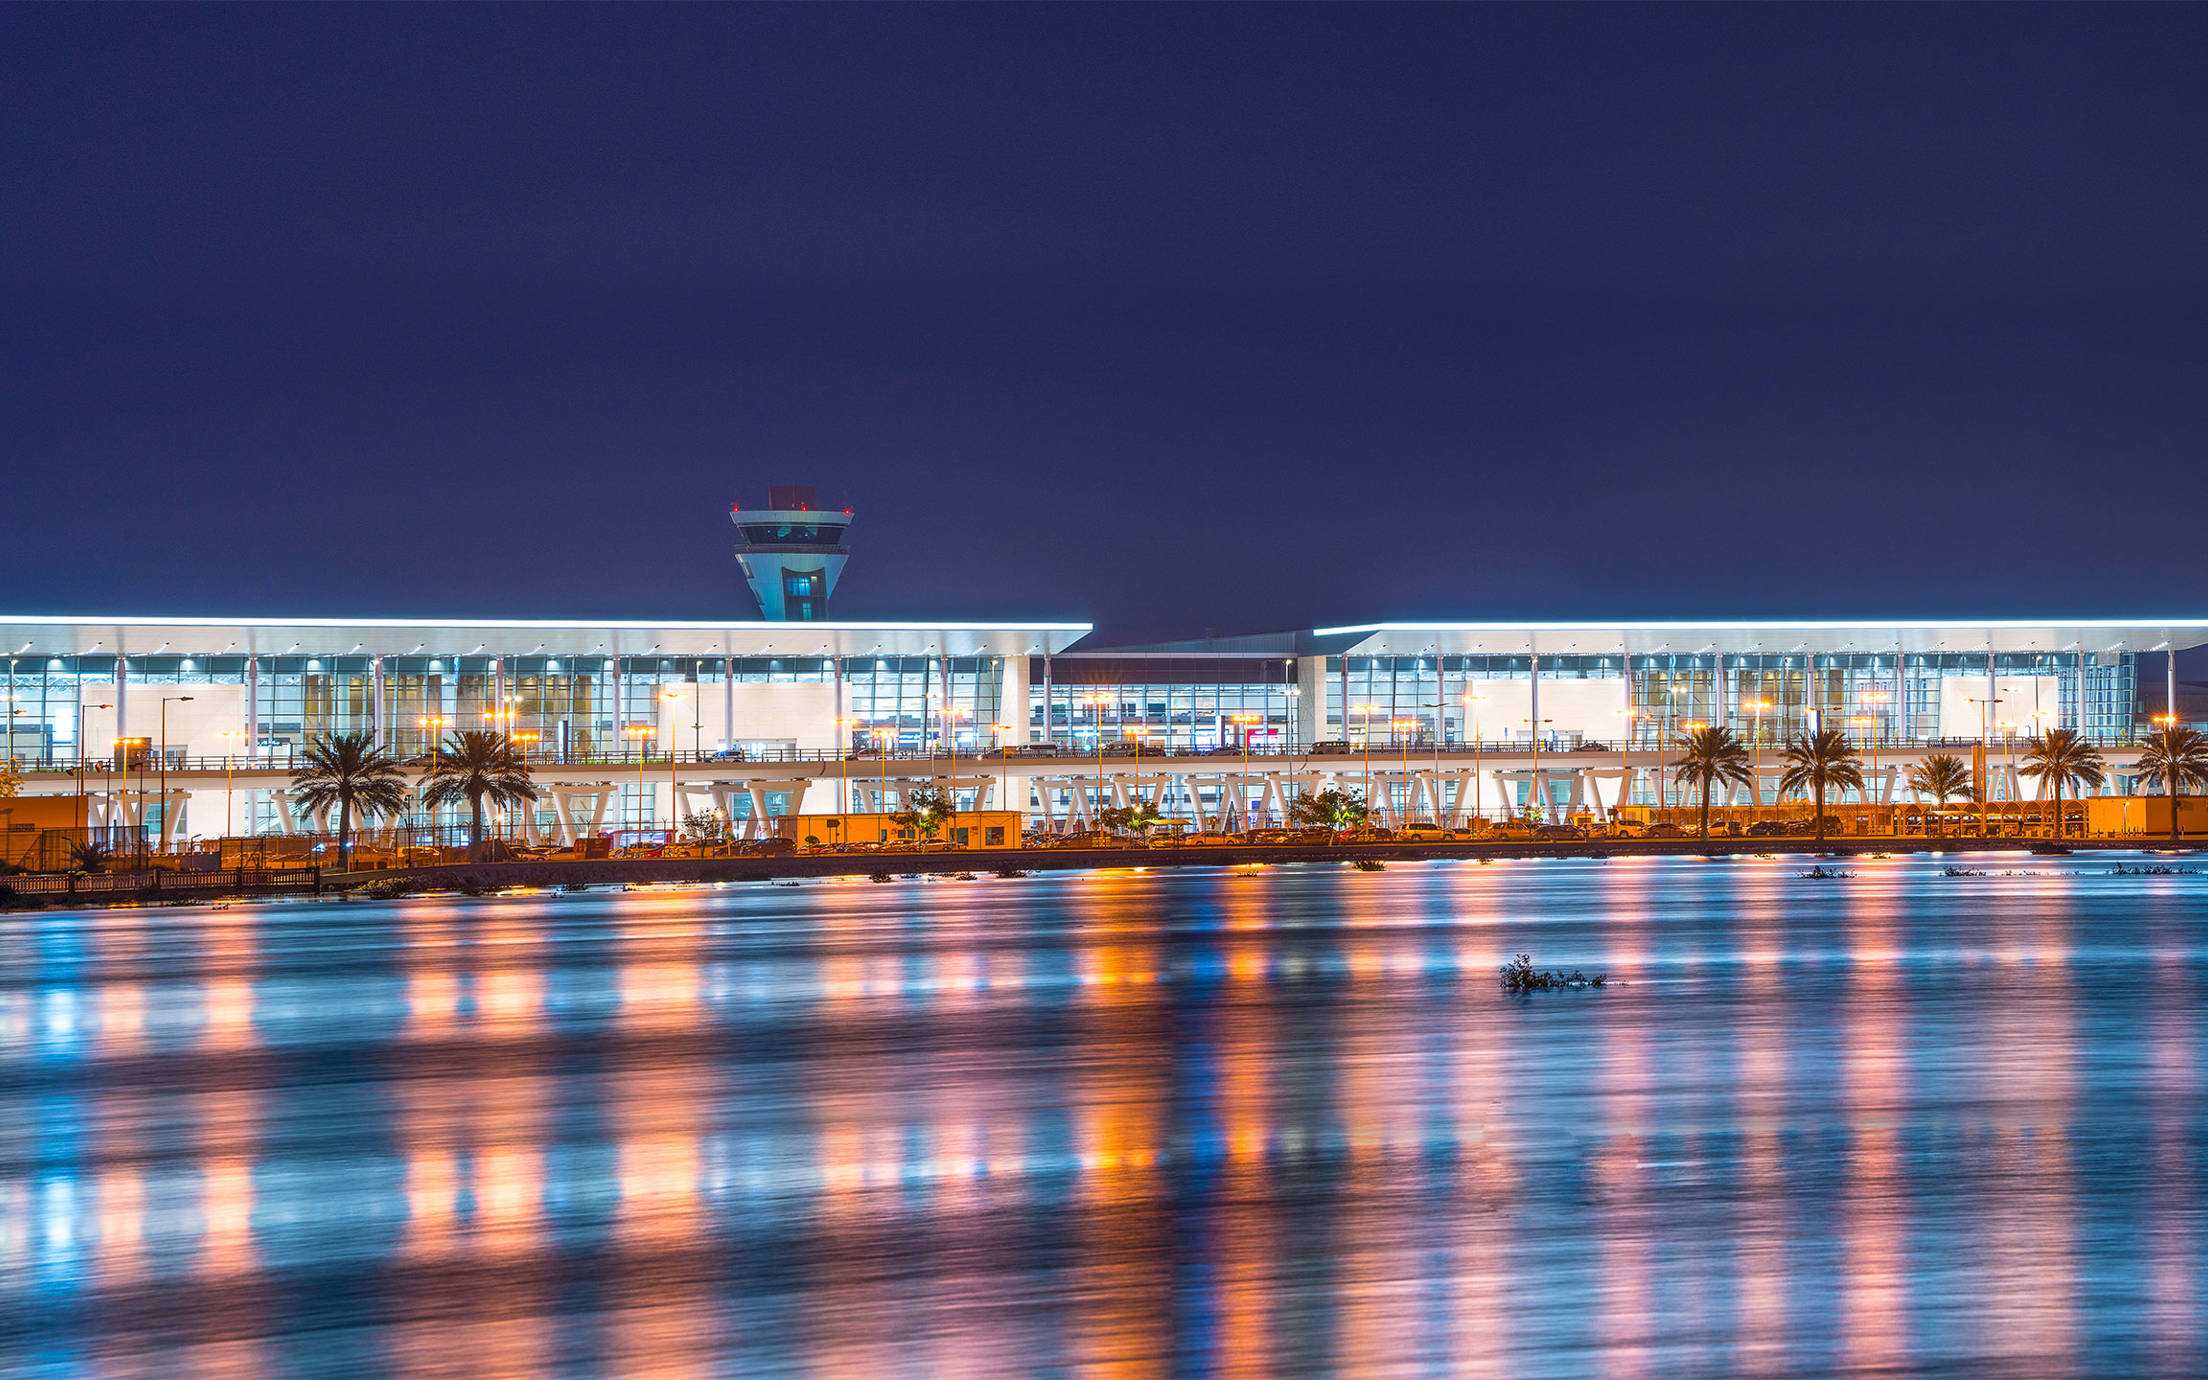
{"x": 1238, "y": 317}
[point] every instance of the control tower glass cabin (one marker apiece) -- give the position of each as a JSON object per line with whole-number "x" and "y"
{"x": 792, "y": 553}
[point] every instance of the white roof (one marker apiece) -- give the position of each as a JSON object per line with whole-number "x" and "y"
{"x": 30, "y": 635}
{"x": 1774, "y": 638}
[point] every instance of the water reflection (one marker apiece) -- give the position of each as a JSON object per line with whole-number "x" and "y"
{"x": 1237, "y": 1123}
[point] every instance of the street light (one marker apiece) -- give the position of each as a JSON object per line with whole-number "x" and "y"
{"x": 843, "y": 764}
{"x": 1985, "y": 746}
{"x": 1479, "y": 810}
{"x": 1755, "y": 771}
{"x": 1365, "y": 712}
{"x": 1004, "y": 771}
{"x": 674, "y": 792}
{"x": 951, "y": 715}
{"x": 1243, "y": 723}
{"x": 84, "y": 802}
{"x": 166, "y": 701}
{"x": 640, "y": 732}
{"x": 1625, "y": 768}
{"x": 227, "y": 761}
{"x": 1696, "y": 726}
{"x": 1097, "y": 703}
{"x": 1401, "y": 729}
{"x": 133, "y": 747}
{"x": 1537, "y": 793}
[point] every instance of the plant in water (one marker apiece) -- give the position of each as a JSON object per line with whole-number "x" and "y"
{"x": 1519, "y": 975}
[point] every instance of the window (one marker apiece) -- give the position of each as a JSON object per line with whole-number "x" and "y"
{"x": 803, "y": 584}
{"x": 992, "y": 836}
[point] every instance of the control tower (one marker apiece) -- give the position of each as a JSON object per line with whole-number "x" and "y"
{"x": 791, "y": 552}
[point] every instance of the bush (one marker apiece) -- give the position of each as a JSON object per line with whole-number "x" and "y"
{"x": 1521, "y": 976}
{"x": 387, "y": 889}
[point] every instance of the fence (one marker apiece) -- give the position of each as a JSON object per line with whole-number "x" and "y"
{"x": 153, "y": 883}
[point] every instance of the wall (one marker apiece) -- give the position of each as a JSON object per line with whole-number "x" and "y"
{"x": 2019, "y": 696}
{"x": 803, "y": 712}
{"x": 194, "y": 729}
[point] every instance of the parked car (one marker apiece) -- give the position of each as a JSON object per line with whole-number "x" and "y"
{"x": 1425, "y": 829}
{"x": 1549, "y": 833}
{"x": 1333, "y": 747}
{"x": 1663, "y": 831}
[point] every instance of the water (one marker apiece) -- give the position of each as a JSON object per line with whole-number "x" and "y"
{"x": 1222, "y": 1122}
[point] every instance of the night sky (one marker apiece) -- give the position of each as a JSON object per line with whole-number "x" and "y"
{"x": 1172, "y": 319}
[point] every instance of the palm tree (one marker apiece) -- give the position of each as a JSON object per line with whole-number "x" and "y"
{"x": 349, "y": 771}
{"x": 476, "y": 767}
{"x": 1708, "y": 756}
{"x": 2061, "y": 757}
{"x": 1817, "y": 762}
{"x": 1943, "y": 776}
{"x": 2173, "y": 756}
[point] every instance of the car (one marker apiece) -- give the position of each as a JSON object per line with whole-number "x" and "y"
{"x": 1423, "y": 829}
{"x": 1209, "y": 840}
{"x": 1663, "y": 831}
{"x": 1333, "y": 747}
{"x": 1556, "y": 832}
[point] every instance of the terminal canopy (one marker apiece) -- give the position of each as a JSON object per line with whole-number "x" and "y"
{"x": 66, "y": 636}
{"x": 2092, "y": 635}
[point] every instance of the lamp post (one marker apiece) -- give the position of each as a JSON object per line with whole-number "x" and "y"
{"x": 1479, "y": 808}
{"x": 951, "y": 715}
{"x": 843, "y": 764}
{"x": 166, "y": 701}
{"x": 1243, "y": 723}
{"x": 674, "y": 791}
{"x": 1985, "y": 747}
{"x": 1365, "y": 712}
{"x": 134, "y": 747}
{"x": 84, "y": 802}
{"x": 1097, "y": 703}
{"x": 1400, "y": 729}
{"x": 227, "y": 794}
{"x": 1625, "y": 768}
{"x": 1755, "y": 753}
{"x": 640, "y": 732}
{"x": 1877, "y": 699}
{"x": 1535, "y": 793}
{"x": 432, "y": 726}
{"x": 998, "y": 734}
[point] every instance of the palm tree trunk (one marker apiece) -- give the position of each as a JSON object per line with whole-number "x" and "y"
{"x": 344, "y": 834}
{"x": 2172, "y": 779}
{"x": 2058, "y": 809}
{"x": 1705, "y": 809}
{"x": 475, "y": 836}
{"x": 1819, "y": 795}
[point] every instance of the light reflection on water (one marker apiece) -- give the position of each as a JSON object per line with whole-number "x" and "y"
{"x": 1238, "y": 1122}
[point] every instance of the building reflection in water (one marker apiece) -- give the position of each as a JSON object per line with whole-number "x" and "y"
{"x": 1239, "y": 1123}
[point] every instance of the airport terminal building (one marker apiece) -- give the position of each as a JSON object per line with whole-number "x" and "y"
{"x": 189, "y": 726}
{"x": 226, "y": 704}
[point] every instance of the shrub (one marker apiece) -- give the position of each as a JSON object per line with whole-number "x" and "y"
{"x": 1521, "y": 976}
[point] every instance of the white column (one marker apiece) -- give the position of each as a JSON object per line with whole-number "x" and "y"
{"x": 252, "y": 739}
{"x": 376, "y": 708}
